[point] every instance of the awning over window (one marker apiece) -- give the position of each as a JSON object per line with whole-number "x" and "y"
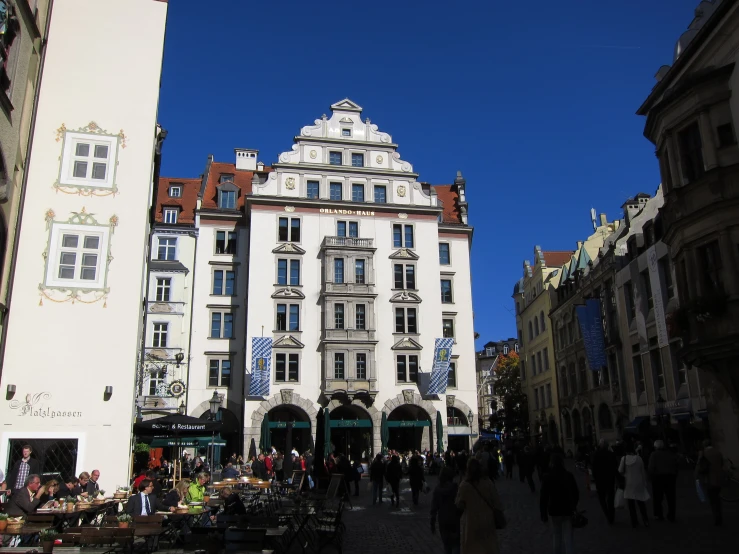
{"x": 187, "y": 442}
{"x": 634, "y": 425}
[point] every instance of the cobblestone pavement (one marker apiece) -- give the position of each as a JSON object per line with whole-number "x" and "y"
{"x": 378, "y": 528}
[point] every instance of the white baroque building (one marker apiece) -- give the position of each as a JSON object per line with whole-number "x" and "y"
{"x": 75, "y": 316}
{"x": 350, "y": 264}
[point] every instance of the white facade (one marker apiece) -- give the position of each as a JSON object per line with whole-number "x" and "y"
{"x": 75, "y": 319}
{"x": 360, "y": 162}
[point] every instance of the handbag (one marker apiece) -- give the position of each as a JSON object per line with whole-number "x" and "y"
{"x": 619, "y": 501}
{"x": 498, "y": 515}
{"x": 579, "y": 520}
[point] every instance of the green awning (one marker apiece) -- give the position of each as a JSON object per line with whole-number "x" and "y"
{"x": 412, "y": 423}
{"x": 350, "y": 423}
{"x": 187, "y": 442}
{"x": 283, "y": 424}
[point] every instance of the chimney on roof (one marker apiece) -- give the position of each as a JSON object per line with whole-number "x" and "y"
{"x": 246, "y": 159}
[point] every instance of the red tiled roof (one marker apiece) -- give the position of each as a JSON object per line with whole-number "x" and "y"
{"x": 187, "y": 202}
{"x": 449, "y": 197}
{"x": 557, "y": 258}
{"x": 242, "y": 179}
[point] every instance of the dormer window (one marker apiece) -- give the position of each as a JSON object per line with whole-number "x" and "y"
{"x": 175, "y": 191}
{"x": 225, "y": 178}
{"x": 489, "y": 350}
{"x": 505, "y": 349}
{"x": 170, "y": 215}
{"x": 346, "y": 132}
{"x": 228, "y": 193}
{"x": 515, "y": 348}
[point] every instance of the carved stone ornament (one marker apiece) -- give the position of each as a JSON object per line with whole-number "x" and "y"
{"x": 313, "y": 154}
{"x": 402, "y": 215}
{"x": 290, "y": 183}
{"x": 450, "y": 400}
{"x": 408, "y": 396}
{"x": 287, "y": 396}
{"x": 401, "y": 190}
{"x": 379, "y": 159}
{"x": 290, "y": 208}
{"x": 160, "y": 308}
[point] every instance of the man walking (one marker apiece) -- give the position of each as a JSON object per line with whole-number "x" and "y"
{"x": 605, "y": 468}
{"x": 663, "y": 471}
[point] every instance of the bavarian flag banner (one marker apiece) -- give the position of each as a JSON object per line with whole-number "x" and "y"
{"x": 261, "y": 363}
{"x": 440, "y": 371}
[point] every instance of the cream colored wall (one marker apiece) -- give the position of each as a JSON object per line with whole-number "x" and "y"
{"x": 73, "y": 350}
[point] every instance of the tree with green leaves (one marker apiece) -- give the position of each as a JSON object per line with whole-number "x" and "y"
{"x": 513, "y": 415}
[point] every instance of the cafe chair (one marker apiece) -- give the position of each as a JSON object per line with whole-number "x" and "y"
{"x": 239, "y": 540}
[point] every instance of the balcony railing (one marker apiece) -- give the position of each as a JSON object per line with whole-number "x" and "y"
{"x": 347, "y": 242}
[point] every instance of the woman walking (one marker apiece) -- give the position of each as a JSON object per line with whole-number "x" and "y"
{"x": 444, "y": 509}
{"x": 478, "y": 499}
{"x": 558, "y": 501}
{"x": 632, "y": 468}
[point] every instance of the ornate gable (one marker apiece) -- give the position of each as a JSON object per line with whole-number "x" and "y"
{"x": 288, "y": 248}
{"x": 404, "y": 254}
{"x": 288, "y": 292}
{"x": 287, "y": 341}
{"x": 346, "y": 105}
{"x": 407, "y": 344}
{"x": 405, "y": 296}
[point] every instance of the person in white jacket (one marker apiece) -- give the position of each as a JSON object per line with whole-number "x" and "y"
{"x": 632, "y": 468}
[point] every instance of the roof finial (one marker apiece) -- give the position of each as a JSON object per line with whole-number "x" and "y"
{"x": 459, "y": 179}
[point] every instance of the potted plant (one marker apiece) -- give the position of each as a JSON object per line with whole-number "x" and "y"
{"x": 70, "y": 503}
{"x": 124, "y": 520}
{"x": 47, "y": 537}
{"x": 98, "y": 497}
{"x": 3, "y": 522}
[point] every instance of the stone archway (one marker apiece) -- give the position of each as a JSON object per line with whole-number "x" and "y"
{"x": 407, "y": 397}
{"x": 373, "y": 414}
{"x": 282, "y": 398}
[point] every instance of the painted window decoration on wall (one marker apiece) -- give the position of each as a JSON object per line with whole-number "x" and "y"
{"x": 89, "y": 160}
{"x": 78, "y": 257}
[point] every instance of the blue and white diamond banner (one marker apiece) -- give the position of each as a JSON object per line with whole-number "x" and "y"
{"x": 261, "y": 363}
{"x": 440, "y": 371}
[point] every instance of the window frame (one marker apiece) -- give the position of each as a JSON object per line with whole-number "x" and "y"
{"x": 290, "y": 263}
{"x": 451, "y": 289}
{"x": 55, "y": 248}
{"x": 167, "y": 213}
{"x": 333, "y": 153}
{"x": 224, "y": 281}
{"x": 339, "y": 316}
{"x": 336, "y": 356}
{"x": 308, "y": 193}
{"x": 406, "y": 357}
{"x": 289, "y": 358}
{"x": 404, "y": 235}
{"x": 334, "y": 186}
{"x": 162, "y": 288}
{"x": 160, "y": 330}
{"x": 221, "y": 313}
{"x": 359, "y": 154}
{"x": 406, "y": 326}
{"x": 219, "y": 360}
{"x": 444, "y": 327}
{"x": 375, "y": 189}
{"x": 288, "y": 317}
{"x": 358, "y": 186}
{"x": 290, "y": 228}
{"x": 173, "y": 188}
{"x": 363, "y": 273}
{"x": 357, "y": 376}
{"x": 66, "y": 170}
{"x": 230, "y": 236}
{"x": 448, "y": 253}
{"x": 364, "y": 316}
{"x": 169, "y": 247}
{"x": 404, "y": 276}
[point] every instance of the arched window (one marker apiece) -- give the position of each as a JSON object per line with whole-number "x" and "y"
{"x": 576, "y": 423}
{"x": 583, "y": 374}
{"x": 505, "y": 349}
{"x": 605, "y": 421}
{"x": 542, "y": 323}
{"x": 531, "y": 331}
{"x": 563, "y": 381}
{"x": 568, "y": 425}
{"x": 573, "y": 379}
{"x": 536, "y": 326}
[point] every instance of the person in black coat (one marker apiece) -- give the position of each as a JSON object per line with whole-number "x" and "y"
{"x": 605, "y": 469}
{"x": 232, "y": 504}
{"x": 393, "y": 474}
{"x": 377, "y": 476}
{"x": 558, "y": 501}
{"x": 415, "y": 476}
{"x": 34, "y": 468}
{"x": 258, "y": 468}
{"x": 145, "y": 503}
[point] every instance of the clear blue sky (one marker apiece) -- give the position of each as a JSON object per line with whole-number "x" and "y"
{"x": 534, "y": 101}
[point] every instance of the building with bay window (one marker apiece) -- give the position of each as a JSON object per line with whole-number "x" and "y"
{"x": 349, "y": 264}
{"x": 692, "y": 114}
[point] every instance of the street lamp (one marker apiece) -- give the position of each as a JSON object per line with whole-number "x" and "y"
{"x": 181, "y": 410}
{"x": 178, "y": 358}
{"x": 470, "y": 417}
{"x": 215, "y": 403}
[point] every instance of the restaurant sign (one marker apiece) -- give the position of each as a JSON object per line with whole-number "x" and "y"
{"x": 35, "y": 405}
